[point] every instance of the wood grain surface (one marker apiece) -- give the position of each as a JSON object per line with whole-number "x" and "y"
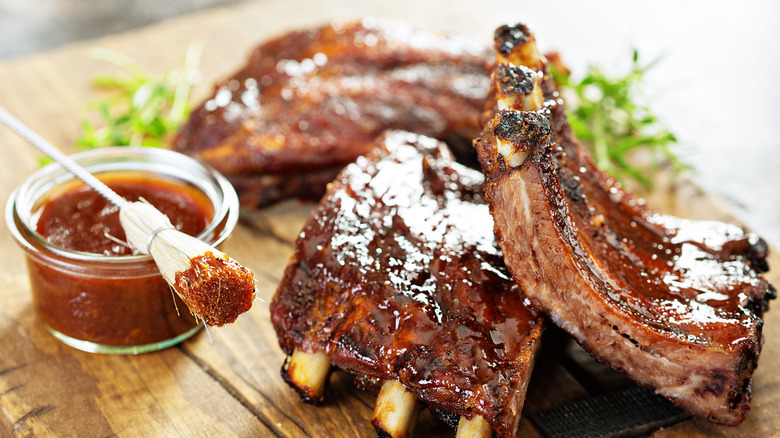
{"x": 226, "y": 382}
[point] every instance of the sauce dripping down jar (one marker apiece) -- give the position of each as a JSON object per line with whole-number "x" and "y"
{"x": 102, "y": 302}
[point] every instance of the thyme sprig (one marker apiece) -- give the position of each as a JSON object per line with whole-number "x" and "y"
{"x": 144, "y": 110}
{"x": 608, "y": 116}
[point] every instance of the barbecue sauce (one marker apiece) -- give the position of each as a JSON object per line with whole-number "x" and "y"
{"x": 214, "y": 276}
{"x": 101, "y": 301}
{"x": 78, "y": 218}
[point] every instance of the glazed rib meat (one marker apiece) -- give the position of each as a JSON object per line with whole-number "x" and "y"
{"x": 310, "y": 102}
{"x": 397, "y": 276}
{"x": 675, "y": 304}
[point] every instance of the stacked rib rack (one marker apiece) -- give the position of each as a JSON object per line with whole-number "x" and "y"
{"x": 309, "y": 102}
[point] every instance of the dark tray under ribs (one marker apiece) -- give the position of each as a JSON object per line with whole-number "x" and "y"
{"x": 397, "y": 275}
{"x": 309, "y": 102}
{"x": 675, "y": 304}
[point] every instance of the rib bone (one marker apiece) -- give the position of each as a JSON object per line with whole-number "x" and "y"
{"x": 308, "y": 374}
{"x": 396, "y": 411}
{"x": 477, "y": 427}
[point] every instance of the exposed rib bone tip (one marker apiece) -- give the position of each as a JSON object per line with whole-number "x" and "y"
{"x": 396, "y": 411}
{"x": 517, "y": 45}
{"x": 477, "y": 427}
{"x": 308, "y": 373}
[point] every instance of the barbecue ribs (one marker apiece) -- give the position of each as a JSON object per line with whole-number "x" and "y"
{"x": 397, "y": 277}
{"x": 310, "y": 102}
{"x": 675, "y": 304}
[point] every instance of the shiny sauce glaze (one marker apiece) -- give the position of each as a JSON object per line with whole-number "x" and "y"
{"x": 97, "y": 301}
{"x": 316, "y": 99}
{"x": 398, "y": 276}
{"x": 701, "y": 280}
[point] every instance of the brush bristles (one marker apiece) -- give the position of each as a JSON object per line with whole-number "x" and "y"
{"x": 150, "y": 232}
{"x": 141, "y": 221}
{"x": 173, "y": 252}
{"x": 215, "y": 288}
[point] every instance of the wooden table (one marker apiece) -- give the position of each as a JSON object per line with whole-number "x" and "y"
{"x": 226, "y": 382}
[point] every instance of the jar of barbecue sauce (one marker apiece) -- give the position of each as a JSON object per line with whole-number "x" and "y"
{"x": 88, "y": 288}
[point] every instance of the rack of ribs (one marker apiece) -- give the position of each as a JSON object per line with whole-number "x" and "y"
{"x": 397, "y": 279}
{"x": 309, "y": 102}
{"x": 674, "y": 304}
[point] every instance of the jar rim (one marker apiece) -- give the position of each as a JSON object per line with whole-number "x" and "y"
{"x": 158, "y": 161}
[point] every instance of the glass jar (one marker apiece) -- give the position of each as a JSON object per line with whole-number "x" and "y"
{"x": 113, "y": 304}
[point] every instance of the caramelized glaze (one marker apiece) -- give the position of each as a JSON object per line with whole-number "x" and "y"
{"x": 397, "y": 276}
{"x": 309, "y": 102}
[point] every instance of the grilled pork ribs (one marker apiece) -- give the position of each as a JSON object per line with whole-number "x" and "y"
{"x": 397, "y": 276}
{"x": 310, "y": 102}
{"x": 674, "y": 304}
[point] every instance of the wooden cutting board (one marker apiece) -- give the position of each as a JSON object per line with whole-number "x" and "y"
{"x": 226, "y": 382}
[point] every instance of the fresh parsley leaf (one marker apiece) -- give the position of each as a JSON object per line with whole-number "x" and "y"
{"x": 143, "y": 110}
{"x": 608, "y": 116}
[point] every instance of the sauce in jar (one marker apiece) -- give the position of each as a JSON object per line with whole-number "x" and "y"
{"x": 78, "y": 218}
{"x": 123, "y": 308}
{"x": 89, "y": 290}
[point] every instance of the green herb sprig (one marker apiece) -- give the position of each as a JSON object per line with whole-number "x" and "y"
{"x": 607, "y": 116}
{"x": 144, "y": 110}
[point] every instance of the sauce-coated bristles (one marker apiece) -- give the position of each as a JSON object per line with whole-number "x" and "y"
{"x": 214, "y": 287}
